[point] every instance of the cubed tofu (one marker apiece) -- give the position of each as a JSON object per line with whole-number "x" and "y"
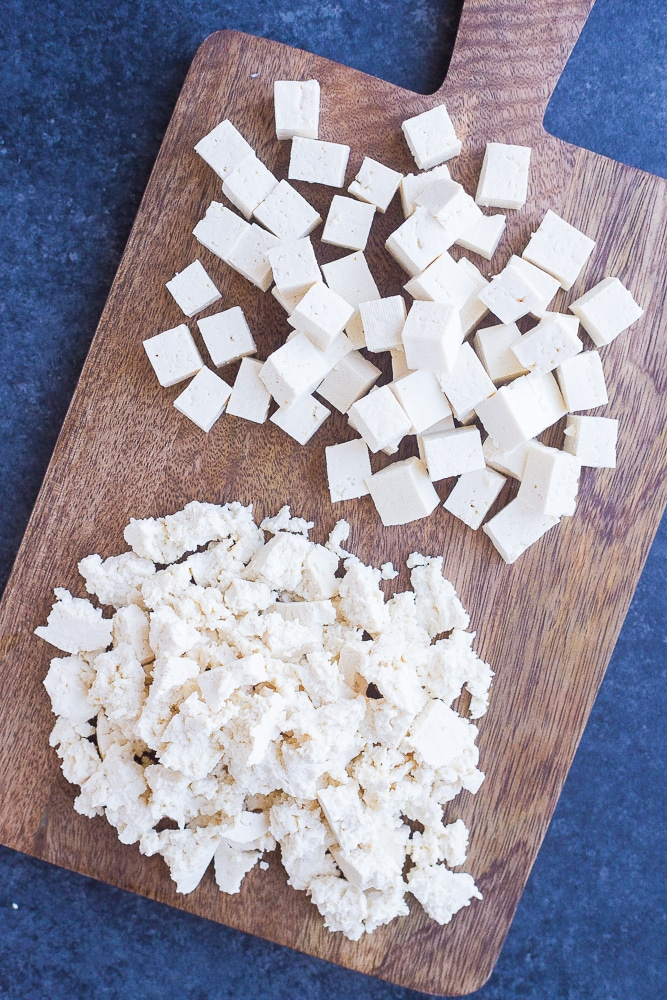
{"x": 348, "y": 223}
{"x": 350, "y": 379}
{"x": 220, "y": 230}
{"x": 550, "y": 481}
{"x": 582, "y": 383}
{"x": 348, "y": 468}
{"x": 286, "y": 213}
{"x": 249, "y": 256}
{"x": 509, "y": 463}
{"x": 302, "y": 419}
{"x": 431, "y": 137}
{"x": 204, "y": 399}
{"x": 297, "y": 108}
{"x": 432, "y": 336}
{"x": 192, "y": 289}
{"x": 521, "y": 410}
{"x": 379, "y": 418}
{"x": 321, "y": 315}
{"x": 294, "y": 266}
{"x": 510, "y": 295}
{"x": 494, "y": 348}
{"x": 451, "y": 206}
{"x": 248, "y": 185}
{"x": 516, "y": 527}
{"x": 250, "y": 398}
{"x": 227, "y": 336}
{"x": 606, "y": 310}
{"x": 547, "y": 345}
{"x": 383, "y": 321}
{"x": 545, "y": 284}
{"x": 375, "y": 183}
{"x": 402, "y": 492}
{"x": 294, "y": 370}
{"x": 559, "y": 248}
{"x": 473, "y": 311}
{"x": 592, "y": 440}
{"x": 467, "y": 383}
{"x": 483, "y": 235}
{"x": 224, "y": 148}
{"x": 451, "y": 453}
{"x": 414, "y": 184}
{"x": 503, "y": 182}
{"x": 474, "y": 495}
{"x": 173, "y": 355}
{"x": 422, "y": 399}
{"x": 318, "y": 162}
{"x": 417, "y": 242}
{"x": 442, "y": 281}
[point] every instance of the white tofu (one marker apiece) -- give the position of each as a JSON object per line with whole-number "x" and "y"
{"x": 383, "y": 321}
{"x": 355, "y": 330}
{"x": 288, "y": 300}
{"x": 224, "y": 148}
{"x": 286, "y": 213}
{"x": 510, "y": 295}
{"x": 550, "y": 403}
{"x": 318, "y": 162}
{"x": 422, "y": 399}
{"x": 521, "y": 410}
{"x": 379, "y": 418}
{"x": 550, "y": 481}
{"x": 220, "y": 230}
{"x": 606, "y": 310}
{"x": 348, "y": 223}
{"x": 451, "y": 453}
{"x": 503, "y": 182}
{"x": 192, "y": 289}
{"x": 74, "y": 625}
{"x": 417, "y": 242}
{"x": 249, "y": 256}
{"x": 350, "y": 277}
{"x": 431, "y": 137}
{"x": 453, "y": 208}
{"x": 443, "y": 281}
{"x": 516, "y": 527}
{"x": 402, "y": 492}
{"x": 248, "y": 185}
{"x": 559, "y": 248}
{"x": 467, "y": 383}
{"x": 581, "y": 381}
{"x": 432, "y": 336}
{"x": 473, "y": 311}
{"x": 297, "y": 108}
{"x": 510, "y": 463}
{"x": 321, "y": 315}
{"x": 301, "y": 419}
{"x": 399, "y": 364}
{"x": 227, "y": 336}
{"x": 348, "y": 468}
{"x": 337, "y": 350}
{"x": 438, "y": 734}
{"x": 294, "y": 266}
{"x": 545, "y": 284}
{"x": 294, "y": 370}
{"x": 204, "y": 399}
{"x": 592, "y": 440}
{"x": 173, "y": 355}
{"x": 493, "y": 345}
{"x": 414, "y": 184}
{"x": 350, "y": 379}
{"x": 483, "y": 235}
{"x": 375, "y": 183}
{"x": 250, "y": 398}
{"x": 474, "y": 495}
{"x": 547, "y": 345}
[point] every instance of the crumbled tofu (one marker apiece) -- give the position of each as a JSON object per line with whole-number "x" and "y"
{"x": 348, "y": 223}
{"x": 348, "y": 468}
{"x": 592, "y": 440}
{"x": 402, "y": 492}
{"x": 431, "y": 137}
{"x": 74, "y": 625}
{"x": 547, "y": 345}
{"x": 423, "y": 400}
{"x": 483, "y": 235}
{"x": 287, "y": 213}
{"x": 294, "y": 370}
{"x": 516, "y": 527}
{"x": 451, "y": 206}
{"x": 383, "y": 321}
{"x": 249, "y": 256}
{"x": 318, "y": 162}
{"x": 443, "y": 281}
{"x": 467, "y": 383}
{"x": 417, "y": 241}
{"x": 204, "y": 399}
{"x": 227, "y": 336}
{"x": 432, "y": 336}
{"x": 510, "y": 295}
{"x": 321, "y": 314}
{"x": 192, "y": 289}
{"x": 302, "y": 418}
{"x": 173, "y": 355}
{"x": 494, "y": 348}
{"x": 550, "y": 481}
{"x": 248, "y": 185}
{"x": 559, "y": 248}
{"x": 220, "y": 230}
{"x": 224, "y": 148}
{"x": 451, "y": 453}
{"x": 250, "y": 398}
{"x": 294, "y": 266}
{"x": 606, "y": 310}
{"x": 375, "y": 183}
{"x": 441, "y": 892}
{"x": 350, "y": 379}
{"x": 582, "y": 383}
{"x": 297, "y": 108}
{"x": 503, "y": 182}
{"x": 474, "y": 495}
{"x": 413, "y": 184}
{"x": 379, "y": 418}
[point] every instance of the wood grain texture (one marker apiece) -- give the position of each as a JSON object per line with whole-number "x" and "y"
{"x": 547, "y": 624}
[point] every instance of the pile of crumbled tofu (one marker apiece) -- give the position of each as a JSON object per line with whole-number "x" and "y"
{"x": 247, "y": 694}
{"x": 444, "y": 390}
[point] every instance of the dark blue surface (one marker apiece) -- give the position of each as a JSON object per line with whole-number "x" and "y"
{"x": 87, "y": 94}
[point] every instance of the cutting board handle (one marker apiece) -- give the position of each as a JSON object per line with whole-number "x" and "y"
{"x": 511, "y": 54}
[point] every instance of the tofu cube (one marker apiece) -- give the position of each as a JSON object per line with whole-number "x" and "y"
{"x": 350, "y": 277}
{"x": 173, "y": 355}
{"x": 431, "y": 137}
{"x": 318, "y": 162}
{"x": 220, "y": 230}
{"x": 383, "y": 321}
{"x": 302, "y": 419}
{"x": 474, "y": 495}
{"x": 545, "y": 284}
{"x": 451, "y": 453}
{"x": 402, "y": 492}
{"x": 227, "y": 336}
{"x": 375, "y": 183}
{"x": 224, "y": 148}
{"x": 581, "y": 381}
{"x": 192, "y": 289}
{"x": 483, "y": 235}
{"x": 559, "y": 248}
{"x": 286, "y": 213}
{"x": 321, "y": 315}
{"x": 288, "y": 300}
{"x": 350, "y": 379}
{"x": 422, "y": 399}
{"x": 503, "y": 182}
{"x": 550, "y": 481}
{"x": 521, "y": 410}
{"x": 606, "y": 310}
{"x": 473, "y": 311}
{"x": 204, "y": 399}
{"x": 510, "y": 295}
{"x": 379, "y": 418}
{"x": 432, "y": 336}
{"x": 592, "y": 440}
{"x": 294, "y": 266}
{"x": 516, "y": 527}
{"x": 417, "y": 242}
{"x": 509, "y": 463}
{"x": 550, "y": 403}
{"x": 348, "y": 468}
{"x": 414, "y": 184}
{"x": 249, "y": 256}
{"x": 467, "y": 383}
{"x": 399, "y": 364}
{"x": 248, "y": 185}
{"x": 551, "y": 342}
{"x": 348, "y": 223}
{"x": 442, "y": 281}
{"x": 250, "y": 398}
{"x": 493, "y": 345}
{"x": 294, "y": 370}
{"x": 297, "y": 108}
{"x": 451, "y": 206}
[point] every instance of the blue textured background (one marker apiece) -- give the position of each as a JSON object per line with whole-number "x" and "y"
{"x": 88, "y": 90}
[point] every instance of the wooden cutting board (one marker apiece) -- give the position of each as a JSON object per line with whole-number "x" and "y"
{"x": 547, "y": 624}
